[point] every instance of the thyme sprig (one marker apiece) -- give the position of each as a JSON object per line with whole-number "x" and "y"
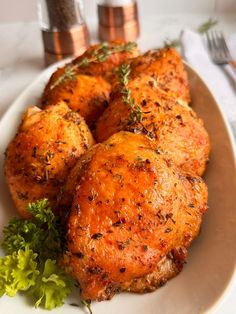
{"x": 136, "y": 111}
{"x": 206, "y": 26}
{"x": 99, "y": 55}
{"x": 202, "y": 29}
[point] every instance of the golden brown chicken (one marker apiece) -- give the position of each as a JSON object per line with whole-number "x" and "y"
{"x": 85, "y": 94}
{"x": 175, "y": 127}
{"x": 84, "y": 83}
{"x": 117, "y": 52}
{"x": 167, "y": 66}
{"x": 46, "y": 147}
{"x": 133, "y": 216}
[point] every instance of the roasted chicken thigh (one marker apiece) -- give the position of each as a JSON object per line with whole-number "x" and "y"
{"x": 86, "y": 89}
{"x": 166, "y": 66}
{"x": 170, "y": 122}
{"x": 45, "y": 148}
{"x": 133, "y": 216}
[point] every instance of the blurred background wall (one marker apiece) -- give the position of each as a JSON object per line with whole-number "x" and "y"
{"x": 25, "y": 10}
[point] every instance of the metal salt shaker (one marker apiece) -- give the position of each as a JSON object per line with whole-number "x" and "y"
{"x": 64, "y": 30}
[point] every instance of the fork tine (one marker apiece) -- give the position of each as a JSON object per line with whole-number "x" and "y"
{"x": 209, "y": 44}
{"x": 224, "y": 45}
{"x": 218, "y": 49}
{"x": 215, "y": 41}
{"x": 212, "y": 46}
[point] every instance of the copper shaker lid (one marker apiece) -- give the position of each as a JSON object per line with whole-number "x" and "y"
{"x": 118, "y": 22}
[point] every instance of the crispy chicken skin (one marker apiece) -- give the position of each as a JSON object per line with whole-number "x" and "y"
{"x": 88, "y": 91}
{"x": 133, "y": 216}
{"x": 171, "y": 123}
{"x": 104, "y": 68}
{"x": 85, "y": 94}
{"x": 167, "y": 66}
{"x": 45, "y": 148}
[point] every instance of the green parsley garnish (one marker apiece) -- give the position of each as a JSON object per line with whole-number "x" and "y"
{"x": 30, "y": 265}
{"x": 51, "y": 287}
{"x": 18, "y": 272}
{"x": 41, "y": 234}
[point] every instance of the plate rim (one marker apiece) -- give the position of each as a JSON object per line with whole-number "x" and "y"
{"x": 229, "y": 288}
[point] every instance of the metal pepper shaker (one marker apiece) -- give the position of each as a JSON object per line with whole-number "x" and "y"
{"x": 64, "y": 30}
{"x": 118, "y": 19}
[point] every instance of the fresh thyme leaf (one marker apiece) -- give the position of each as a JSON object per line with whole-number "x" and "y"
{"x": 136, "y": 112}
{"x": 69, "y": 74}
{"x": 105, "y": 48}
{"x": 126, "y": 47}
{"x": 87, "y": 303}
{"x": 84, "y": 62}
{"x": 102, "y": 57}
{"x": 124, "y": 74}
{"x": 99, "y": 55}
{"x": 206, "y": 26}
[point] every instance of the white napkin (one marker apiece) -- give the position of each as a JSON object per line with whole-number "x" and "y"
{"x": 220, "y": 79}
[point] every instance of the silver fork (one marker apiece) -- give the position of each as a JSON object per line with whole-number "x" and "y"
{"x": 219, "y": 50}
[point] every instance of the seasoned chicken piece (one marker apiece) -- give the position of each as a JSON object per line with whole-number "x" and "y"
{"x": 45, "y": 148}
{"x": 120, "y": 52}
{"x": 132, "y": 219}
{"x": 167, "y": 66}
{"x": 86, "y": 88}
{"x": 85, "y": 94}
{"x": 175, "y": 127}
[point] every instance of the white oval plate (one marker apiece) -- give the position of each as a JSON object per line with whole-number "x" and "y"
{"x": 212, "y": 258}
